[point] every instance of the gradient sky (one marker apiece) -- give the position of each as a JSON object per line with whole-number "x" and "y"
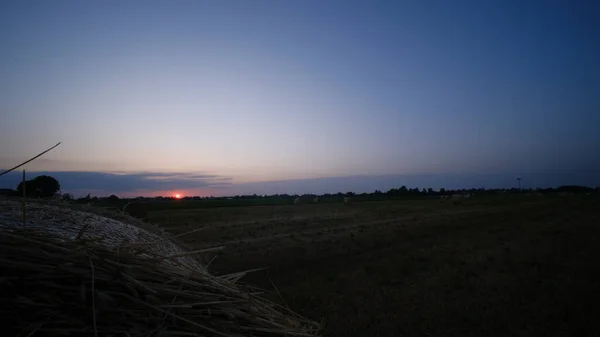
{"x": 248, "y": 92}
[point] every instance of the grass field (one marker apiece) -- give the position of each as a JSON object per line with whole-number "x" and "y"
{"x": 496, "y": 266}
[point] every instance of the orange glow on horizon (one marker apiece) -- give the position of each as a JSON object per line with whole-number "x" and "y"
{"x": 177, "y": 196}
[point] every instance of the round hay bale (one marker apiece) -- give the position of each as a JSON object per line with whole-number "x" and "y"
{"x": 68, "y": 223}
{"x": 136, "y": 209}
{"x": 75, "y": 273}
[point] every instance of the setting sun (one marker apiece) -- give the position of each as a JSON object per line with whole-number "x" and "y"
{"x": 177, "y": 196}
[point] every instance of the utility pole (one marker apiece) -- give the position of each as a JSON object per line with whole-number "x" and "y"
{"x": 519, "y": 180}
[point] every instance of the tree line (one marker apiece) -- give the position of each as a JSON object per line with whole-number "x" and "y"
{"x": 46, "y": 187}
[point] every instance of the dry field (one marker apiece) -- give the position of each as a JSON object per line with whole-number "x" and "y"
{"x": 498, "y": 266}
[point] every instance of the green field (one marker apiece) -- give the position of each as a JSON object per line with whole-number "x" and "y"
{"x": 494, "y": 266}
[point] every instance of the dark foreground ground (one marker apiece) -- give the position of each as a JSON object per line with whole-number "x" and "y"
{"x": 510, "y": 266}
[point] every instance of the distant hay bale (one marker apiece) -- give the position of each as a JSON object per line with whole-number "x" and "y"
{"x": 296, "y": 201}
{"x": 347, "y": 200}
{"x": 316, "y": 200}
{"x": 136, "y": 209}
{"x": 458, "y": 198}
{"x": 75, "y": 273}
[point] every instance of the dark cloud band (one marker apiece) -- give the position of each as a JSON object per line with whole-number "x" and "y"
{"x": 124, "y": 182}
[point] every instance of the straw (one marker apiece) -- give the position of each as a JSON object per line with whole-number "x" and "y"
{"x": 51, "y": 285}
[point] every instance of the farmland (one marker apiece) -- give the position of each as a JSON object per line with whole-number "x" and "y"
{"x": 510, "y": 265}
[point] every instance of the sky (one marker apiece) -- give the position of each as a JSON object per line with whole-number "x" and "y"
{"x": 230, "y": 97}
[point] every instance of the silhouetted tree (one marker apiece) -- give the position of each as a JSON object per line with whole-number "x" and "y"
{"x": 87, "y": 198}
{"x": 40, "y": 186}
{"x": 113, "y": 197}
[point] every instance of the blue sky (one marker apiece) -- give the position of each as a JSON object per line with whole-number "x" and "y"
{"x": 256, "y": 93}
